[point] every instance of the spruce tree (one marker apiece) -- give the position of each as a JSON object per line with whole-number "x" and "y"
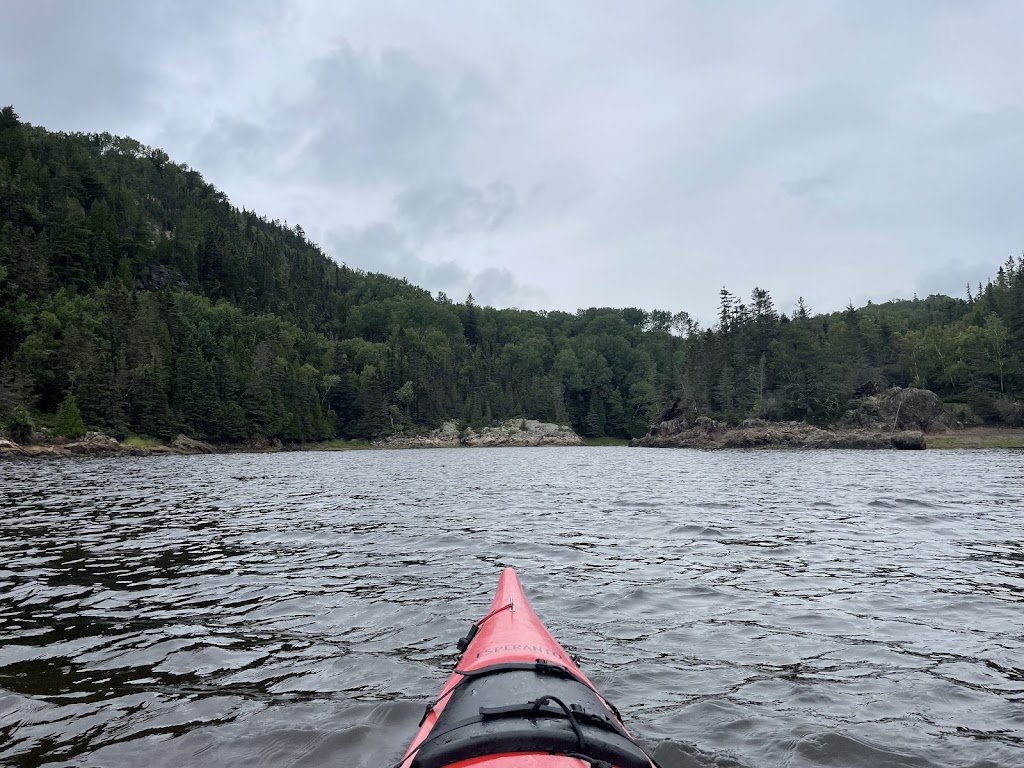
{"x": 69, "y": 418}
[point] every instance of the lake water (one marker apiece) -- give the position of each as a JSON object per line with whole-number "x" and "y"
{"x": 741, "y": 608}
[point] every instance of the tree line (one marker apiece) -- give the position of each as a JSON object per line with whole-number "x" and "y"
{"x": 136, "y": 299}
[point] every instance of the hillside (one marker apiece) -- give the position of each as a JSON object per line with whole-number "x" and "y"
{"x": 133, "y": 294}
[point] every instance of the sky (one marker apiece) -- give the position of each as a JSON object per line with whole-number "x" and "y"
{"x": 565, "y": 154}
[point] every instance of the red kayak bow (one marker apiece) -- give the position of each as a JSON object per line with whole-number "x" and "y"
{"x": 517, "y": 700}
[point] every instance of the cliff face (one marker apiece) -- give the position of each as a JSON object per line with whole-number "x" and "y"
{"x": 514, "y": 433}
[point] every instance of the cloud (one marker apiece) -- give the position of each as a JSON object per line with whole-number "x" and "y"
{"x": 383, "y": 247}
{"x": 498, "y": 286}
{"x": 628, "y": 156}
{"x": 58, "y": 67}
{"x": 952, "y": 278}
{"x": 354, "y": 117}
{"x": 108, "y": 65}
{"x": 448, "y": 207}
{"x": 377, "y": 116}
{"x": 811, "y": 186}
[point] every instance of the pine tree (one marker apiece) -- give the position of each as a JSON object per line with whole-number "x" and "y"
{"x": 69, "y": 419}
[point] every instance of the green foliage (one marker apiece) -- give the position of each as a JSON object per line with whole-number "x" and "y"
{"x": 340, "y": 445}
{"x": 126, "y": 278}
{"x": 69, "y": 419}
{"x": 605, "y": 441}
{"x": 20, "y": 425}
{"x": 141, "y": 441}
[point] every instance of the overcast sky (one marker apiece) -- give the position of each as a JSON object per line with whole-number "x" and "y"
{"x": 558, "y": 155}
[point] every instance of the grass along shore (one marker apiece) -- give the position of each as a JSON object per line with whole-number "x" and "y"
{"x": 978, "y": 437}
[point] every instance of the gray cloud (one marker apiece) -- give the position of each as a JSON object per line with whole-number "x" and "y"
{"x": 101, "y": 66}
{"x": 445, "y": 207}
{"x": 811, "y": 186}
{"x": 356, "y": 117}
{"x": 60, "y": 68}
{"x": 828, "y": 149}
{"x": 952, "y": 277}
{"x": 382, "y": 247}
{"x": 378, "y": 116}
{"x": 498, "y": 286}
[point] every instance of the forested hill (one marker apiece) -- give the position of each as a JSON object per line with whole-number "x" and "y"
{"x": 134, "y": 294}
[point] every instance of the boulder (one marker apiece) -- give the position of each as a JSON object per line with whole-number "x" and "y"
{"x": 668, "y": 427}
{"x": 95, "y": 444}
{"x": 51, "y": 451}
{"x": 186, "y": 444}
{"x": 748, "y": 423}
{"x": 259, "y": 442}
{"x": 909, "y": 441}
{"x": 899, "y": 408}
{"x": 11, "y": 448}
{"x": 911, "y": 408}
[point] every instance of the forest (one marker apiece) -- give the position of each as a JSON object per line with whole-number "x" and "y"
{"x": 135, "y": 299}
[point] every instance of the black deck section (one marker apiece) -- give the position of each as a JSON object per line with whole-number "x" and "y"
{"x": 493, "y": 712}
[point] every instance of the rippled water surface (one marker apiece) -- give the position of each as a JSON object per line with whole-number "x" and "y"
{"x": 741, "y": 609}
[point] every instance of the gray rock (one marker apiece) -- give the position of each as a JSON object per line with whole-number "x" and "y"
{"x": 188, "y": 445}
{"x": 95, "y": 444}
{"x": 512, "y": 433}
{"x": 902, "y": 409}
{"x": 783, "y": 435}
{"x": 11, "y": 448}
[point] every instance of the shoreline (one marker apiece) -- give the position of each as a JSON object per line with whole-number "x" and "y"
{"x": 802, "y": 436}
{"x": 974, "y": 438}
{"x": 770, "y": 437}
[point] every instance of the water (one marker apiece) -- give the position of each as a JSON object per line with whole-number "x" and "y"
{"x": 741, "y": 609}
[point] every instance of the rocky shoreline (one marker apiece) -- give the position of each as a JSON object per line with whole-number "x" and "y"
{"x": 894, "y": 418}
{"x": 759, "y": 434}
{"x": 515, "y": 433}
{"x": 99, "y": 444}
{"x": 910, "y": 420}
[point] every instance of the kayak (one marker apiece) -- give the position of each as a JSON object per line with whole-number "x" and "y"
{"x": 517, "y": 699}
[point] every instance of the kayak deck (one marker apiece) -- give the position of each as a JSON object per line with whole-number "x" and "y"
{"x": 517, "y": 700}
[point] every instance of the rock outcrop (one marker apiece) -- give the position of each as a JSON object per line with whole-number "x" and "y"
{"x": 99, "y": 444}
{"x": 260, "y": 442}
{"x": 910, "y": 408}
{"x": 184, "y": 444}
{"x": 513, "y": 433}
{"x": 755, "y": 433}
{"x": 891, "y": 418}
{"x": 10, "y": 448}
{"x": 522, "y": 433}
{"x": 92, "y": 444}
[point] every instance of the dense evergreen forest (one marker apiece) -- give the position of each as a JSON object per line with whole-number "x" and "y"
{"x": 135, "y": 299}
